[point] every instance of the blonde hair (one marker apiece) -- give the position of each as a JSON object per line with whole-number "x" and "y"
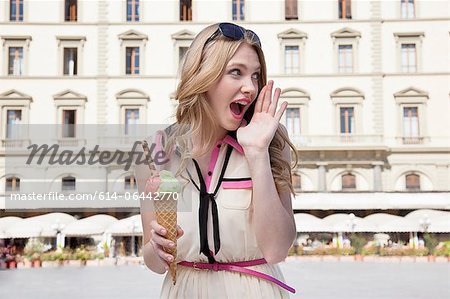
{"x": 203, "y": 66}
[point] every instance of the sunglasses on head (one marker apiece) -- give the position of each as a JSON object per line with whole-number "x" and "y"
{"x": 233, "y": 32}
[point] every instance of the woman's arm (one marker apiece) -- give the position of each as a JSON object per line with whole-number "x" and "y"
{"x": 273, "y": 217}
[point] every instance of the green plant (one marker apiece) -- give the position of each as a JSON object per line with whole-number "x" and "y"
{"x": 33, "y": 249}
{"x": 370, "y": 250}
{"x": 443, "y": 249}
{"x": 430, "y": 242}
{"x": 357, "y": 242}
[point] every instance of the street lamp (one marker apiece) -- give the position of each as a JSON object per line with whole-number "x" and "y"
{"x": 425, "y": 223}
{"x": 58, "y": 227}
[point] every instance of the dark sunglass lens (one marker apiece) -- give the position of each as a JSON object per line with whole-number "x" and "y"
{"x": 232, "y": 31}
{"x": 255, "y": 37}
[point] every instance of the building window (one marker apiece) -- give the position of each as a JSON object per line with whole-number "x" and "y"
{"x": 12, "y": 184}
{"x": 407, "y": 8}
{"x": 15, "y": 62}
{"x": 238, "y": 10}
{"x": 345, "y": 9}
{"x": 68, "y": 183}
{"x": 132, "y": 61}
{"x": 13, "y": 120}
{"x": 409, "y": 51}
{"x": 70, "y": 61}
{"x": 345, "y": 58}
{"x": 412, "y": 182}
{"x": 410, "y": 125}
{"x": 296, "y": 181}
{"x": 130, "y": 182}
{"x": 348, "y": 182}
{"x": 292, "y": 59}
{"x": 131, "y": 120}
{"x": 293, "y": 121}
{"x": 16, "y": 10}
{"x": 290, "y": 10}
{"x": 185, "y": 10}
{"x": 70, "y": 12}
{"x": 14, "y": 108}
{"x": 347, "y": 120}
{"x": 132, "y": 10}
{"x": 181, "y": 53}
{"x": 409, "y": 58}
{"x": 69, "y": 122}
{"x": 292, "y": 49}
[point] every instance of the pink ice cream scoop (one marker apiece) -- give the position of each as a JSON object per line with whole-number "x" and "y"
{"x": 152, "y": 184}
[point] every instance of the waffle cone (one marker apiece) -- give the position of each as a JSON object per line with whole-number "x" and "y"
{"x": 166, "y": 215}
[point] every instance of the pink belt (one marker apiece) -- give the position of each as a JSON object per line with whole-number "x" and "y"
{"x": 238, "y": 267}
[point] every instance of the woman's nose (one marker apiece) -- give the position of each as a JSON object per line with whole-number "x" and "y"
{"x": 249, "y": 88}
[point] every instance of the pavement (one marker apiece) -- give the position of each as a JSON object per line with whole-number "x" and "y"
{"x": 311, "y": 279}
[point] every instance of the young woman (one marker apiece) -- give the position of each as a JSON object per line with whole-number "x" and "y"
{"x": 230, "y": 150}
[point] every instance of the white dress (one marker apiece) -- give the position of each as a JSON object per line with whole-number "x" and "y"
{"x": 237, "y": 235}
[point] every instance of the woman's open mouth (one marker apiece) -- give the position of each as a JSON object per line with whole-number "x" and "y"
{"x": 237, "y": 108}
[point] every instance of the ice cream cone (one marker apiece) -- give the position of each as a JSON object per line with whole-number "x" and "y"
{"x": 166, "y": 213}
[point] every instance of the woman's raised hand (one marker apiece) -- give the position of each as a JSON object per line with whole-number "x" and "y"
{"x": 257, "y": 135}
{"x": 159, "y": 241}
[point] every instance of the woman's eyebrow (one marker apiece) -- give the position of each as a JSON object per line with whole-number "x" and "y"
{"x": 243, "y": 65}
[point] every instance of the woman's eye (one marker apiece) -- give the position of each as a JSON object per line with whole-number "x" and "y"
{"x": 235, "y": 72}
{"x": 256, "y": 76}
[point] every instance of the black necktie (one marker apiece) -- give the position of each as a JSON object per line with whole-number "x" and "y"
{"x": 203, "y": 209}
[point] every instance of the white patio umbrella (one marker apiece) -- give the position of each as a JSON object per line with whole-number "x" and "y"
{"x": 38, "y": 226}
{"x": 400, "y": 225}
{"x": 308, "y": 223}
{"x": 89, "y": 226}
{"x": 440, "y": 225}
{"x": 126, "y": 227}
{"x": 6, "y": 222}
{"x": 373, "y": 222}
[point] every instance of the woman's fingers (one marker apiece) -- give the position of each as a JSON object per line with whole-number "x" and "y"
{"x": 273, "y": 106}
{"x": 281, "y": 110}
{"x": 267, "y": 97}
{"x": 260, "y": 99}
{"x": 180, "y": 232}
{"x": 159, "y": 229}
{"x": 161, "y": 253}
{"x": 162, "y": 241}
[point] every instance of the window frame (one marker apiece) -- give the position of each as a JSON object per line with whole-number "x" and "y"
{"x": 181, "y": 38}
{"x": 414, "y": 10}
{"x": 125, "y": 9}
{"x": 14, "y": 100}
{"x": 292, "y": 37}
{"x": 291, "y": 6}
{"x": 414, "y": 188}
{"x": 297, "y": 98}
{"x": 238, "y": 2}
{"x": 344, "y": 4}
{"x": 412, "y": 97}
{"x": 348, "y": 97}
{"x": 409, "y": 38}
{"x": 70, "y": 100}
{"x": 78, "y": 13}
{"x": 10, "y": 41}
{"x": 191, "y": 10}
{"x": 71, "y": 42}
{"x": 346, "y": 36}
{"x": 346, "y": 189}
{"x": 8, "y": 10}
{"x": 132, "y": 99}
{"x": 130, "y": 39}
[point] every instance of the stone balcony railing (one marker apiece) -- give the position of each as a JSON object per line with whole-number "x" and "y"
{"x": 336, "y": 140}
